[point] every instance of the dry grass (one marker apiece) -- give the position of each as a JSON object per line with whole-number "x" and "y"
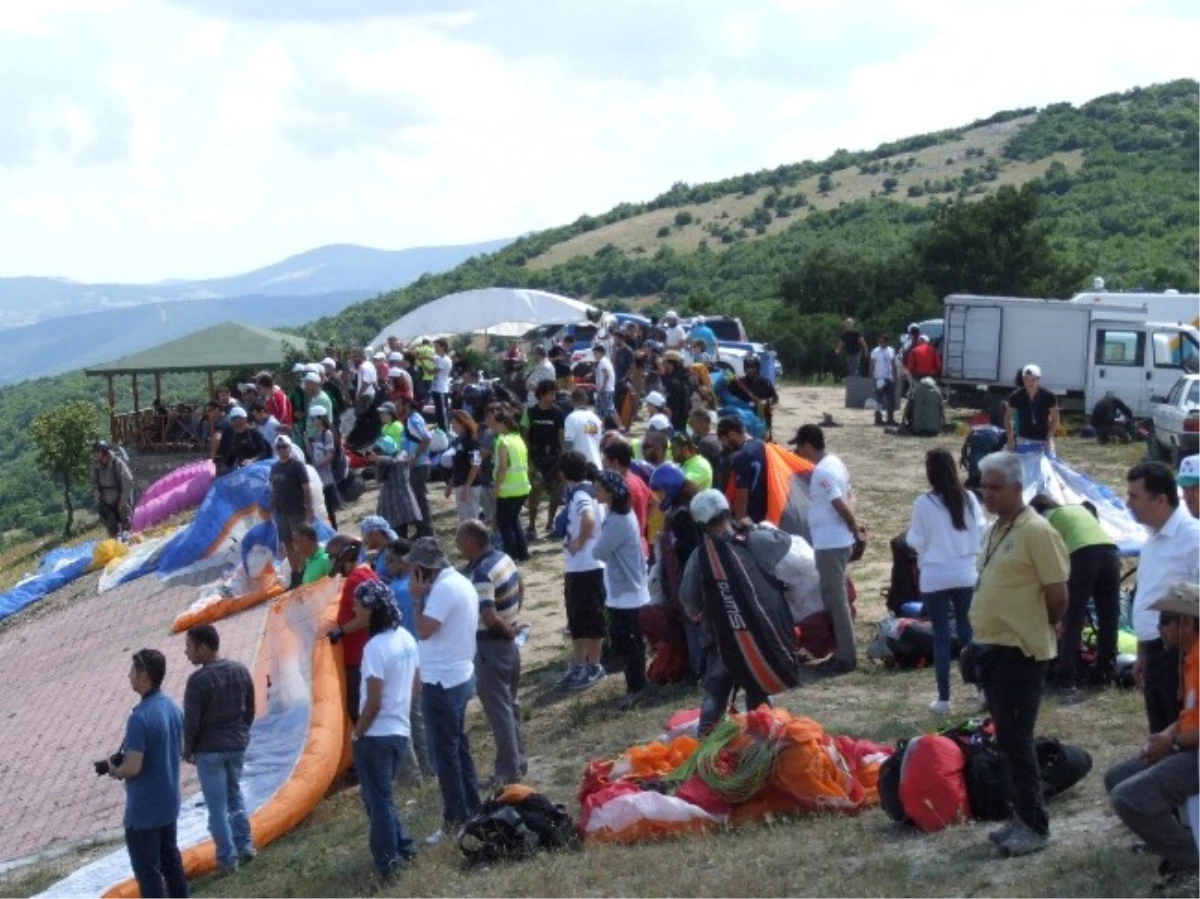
{"x": 948, "y": 160}
{"x": 820, "y": 855}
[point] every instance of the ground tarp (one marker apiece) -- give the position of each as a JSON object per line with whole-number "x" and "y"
{"x": 503, "y": 311}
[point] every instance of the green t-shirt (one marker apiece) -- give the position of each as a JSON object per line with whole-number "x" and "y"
{"x": 698, "y": 471}
{"x": 316, "y": 567}
{"x": 395, "y": 430}
{"x": 1078, "y": 527}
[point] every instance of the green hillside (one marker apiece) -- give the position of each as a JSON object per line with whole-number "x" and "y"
{"x": 1025, "y": 202}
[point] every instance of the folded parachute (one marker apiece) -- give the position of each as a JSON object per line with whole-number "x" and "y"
{"x": 58, "y": 568}
{"x": 178, "y": 490}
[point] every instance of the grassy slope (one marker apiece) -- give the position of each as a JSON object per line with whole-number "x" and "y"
{"x": 816, "y": 855}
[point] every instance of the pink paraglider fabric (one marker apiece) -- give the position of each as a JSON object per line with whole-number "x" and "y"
{"x": 175, "y": 491}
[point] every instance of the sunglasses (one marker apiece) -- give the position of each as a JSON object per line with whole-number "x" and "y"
{"x": 1166, "y": 619}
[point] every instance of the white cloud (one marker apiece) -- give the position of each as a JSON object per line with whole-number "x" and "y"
{"x": 145, "y": 139}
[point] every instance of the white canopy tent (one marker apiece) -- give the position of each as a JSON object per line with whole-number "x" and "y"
{"x": 502, "y": 311}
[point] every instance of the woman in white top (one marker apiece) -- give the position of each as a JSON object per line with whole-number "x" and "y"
{"x": 946, "y": 529}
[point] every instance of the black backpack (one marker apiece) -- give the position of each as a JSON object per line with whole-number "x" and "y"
{"x": 905, "y": 582}
{"x": 504, "y": 830}
{"x": 889, "y": 785}
{"x": 746, "y": 608}
{"x": 982, "y": 441}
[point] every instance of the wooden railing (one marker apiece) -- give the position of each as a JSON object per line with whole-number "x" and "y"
{"x": 149, "y": 431}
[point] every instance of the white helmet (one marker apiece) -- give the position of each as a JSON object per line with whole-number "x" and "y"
{"x": 671, "y": 315}
{"x": 707, "y": 505}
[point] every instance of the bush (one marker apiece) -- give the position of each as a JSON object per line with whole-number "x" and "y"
{"x": 683, "y": 219}
{"x": 664, "y": 231}
{"x": 890, "y": 184}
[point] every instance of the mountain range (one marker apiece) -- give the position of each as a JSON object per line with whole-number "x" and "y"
{"x": 49, "y": 325}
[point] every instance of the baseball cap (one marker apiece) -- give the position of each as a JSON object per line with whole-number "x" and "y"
{"x": 329, "y": 362}
{"x": 299, "y": 367}
{"x": 376, "y": 524}
{"x": 394, "y": 372}
{"x": 1031, "y": 370}
{"x": 1189, "y": 472}
{"x": 656, "y": 399}
{"x": 1182, "y": 598}
{"x": 394, "y": 356}
{"x": 317, "y": 411}
{"x": 426, "y": 552}
{"x": 237, "y": 412}
{"x": 658, "y": 422}
{"x": 389, "y": 408}
{"x": 283, "y": 440}
{"x": 673, "y": 356}
{"x": 312, "y": 378}
{"x": 316, "y": 368}
{"x": 379, "y": 357}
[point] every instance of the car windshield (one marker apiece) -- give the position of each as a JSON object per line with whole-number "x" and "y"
{"x": 1193, "y": 394}
{"x": 725, "y": 329}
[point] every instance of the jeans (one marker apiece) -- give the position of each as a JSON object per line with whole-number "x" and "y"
{"x": 156, "y": 862}
{"x": 1161, "y": 692}
{"x": 831, "y": 567}
{"x": 445, "y": 710}
{"x": 353, "y": 691}
{"x": 418, "y": 479}
{"x": 1095, "y": 575}
{"x": 697, "y": 651}
{"x": 718, "y": 688}
{"x": 1145, "y": 798}
{"x": 441, "y": 407}
{"x": 508, "y": 523}
{"x": 853, "y": 363}
{"x": 1012, "y": 683}
{"x": 377, "y": 759}
{"x": 498, "y": 675}
{"x": 937, "y": 606}
{"x": 220, "y": 776}
{"x": 885, "y": 399}
{"x": 625, "y": 637}
{"x": 606, "y": 404}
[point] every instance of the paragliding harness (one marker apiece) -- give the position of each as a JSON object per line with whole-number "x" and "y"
{"x": 514, "y": 823}
{"x": 560, "y": 520}
{"x": 906, "y": 576}
{"x": 749, "y": 616}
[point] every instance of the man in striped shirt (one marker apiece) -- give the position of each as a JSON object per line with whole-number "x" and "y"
{"x": 497, "y": 655}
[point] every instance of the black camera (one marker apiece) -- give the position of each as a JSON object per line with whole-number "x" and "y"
{"x": 104, "y": 766}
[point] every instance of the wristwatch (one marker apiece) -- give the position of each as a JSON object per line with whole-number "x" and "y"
{"x": 1175, "y": 745}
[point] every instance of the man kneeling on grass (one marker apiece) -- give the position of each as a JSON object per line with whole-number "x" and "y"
{"x": 1147, "y": 790}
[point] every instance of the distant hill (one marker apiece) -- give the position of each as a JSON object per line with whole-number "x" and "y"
{"x": 332, "y": 269}
{"x": 78, "y": 341}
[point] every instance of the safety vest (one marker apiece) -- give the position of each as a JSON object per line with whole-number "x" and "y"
{"x": 516, "y": 476}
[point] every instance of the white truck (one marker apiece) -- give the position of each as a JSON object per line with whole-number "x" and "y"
{"x": 1085, "y": 349}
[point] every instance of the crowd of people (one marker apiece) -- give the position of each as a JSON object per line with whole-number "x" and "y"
{"x": 422, "y": 637}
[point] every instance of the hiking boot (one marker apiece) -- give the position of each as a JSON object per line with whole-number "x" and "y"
{"x": 1023, "y": 840}
{"x": 1000, "y": 834}
{"x": 939, "y": 708}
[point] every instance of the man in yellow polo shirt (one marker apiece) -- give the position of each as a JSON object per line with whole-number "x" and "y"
{"x": 1021, "y": 596}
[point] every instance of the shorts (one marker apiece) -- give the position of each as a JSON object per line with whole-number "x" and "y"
{"x": 584, "y": 594}
{"x": 547, "y": 482}
{"x": 286, "y": 526}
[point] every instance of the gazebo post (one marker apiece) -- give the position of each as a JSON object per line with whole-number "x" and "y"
{"x": 158, "y": 387}
{"x": 136, "y": 406}
{"x": 212, "y": 390}
{"x": 112, "y": 409}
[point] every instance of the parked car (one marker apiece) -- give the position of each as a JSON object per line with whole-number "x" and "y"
{"x": 1175, "y": 428}
{"x": 733, "y": 346}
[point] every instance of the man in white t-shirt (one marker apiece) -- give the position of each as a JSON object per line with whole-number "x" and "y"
{"x": 883, "y": 370}
{"x": 834, "y": 530}
{"x": 605, "y": 380}
{"x": 365, "y": 381}
{"x": 446, "y": 609}
{"x": 583, "y": 429}
{"x": 675, "y": 333}
{"x": 583, "y": 585}
{"x": 543, "y": 370}
{"x": 382, "y": 732}
{"x": 443, "y": 365}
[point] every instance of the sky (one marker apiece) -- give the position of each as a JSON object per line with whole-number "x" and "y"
{"x": 151, "y": 139}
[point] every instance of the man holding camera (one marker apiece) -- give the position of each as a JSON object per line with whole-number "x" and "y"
{"x": 218, "y": 709}
{"x": 149, "y": 762}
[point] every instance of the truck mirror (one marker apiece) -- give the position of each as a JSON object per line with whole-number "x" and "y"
{"x": 1155, "y": 398}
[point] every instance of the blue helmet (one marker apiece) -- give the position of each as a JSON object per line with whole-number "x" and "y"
{"x": 668, "y": 479}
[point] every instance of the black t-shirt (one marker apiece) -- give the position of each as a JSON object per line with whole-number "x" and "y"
{"x": 1105, "y": 413}
{"x": 562, "y": 368}
{"x": 851, "y": 342}
{"x": 1033, "y": 413}
{"x": 749, "y": 468}
{"x": 545, "y": 432}
{"x": 756, "y": 389}
{"x": 466, "y": 455}
{"x": 289, "y": 481}
{"x": 248, "y": 446}
{"x": 622, "y": 362}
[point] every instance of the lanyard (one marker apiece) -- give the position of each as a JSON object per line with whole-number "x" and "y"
{"x": 992, "y": 548}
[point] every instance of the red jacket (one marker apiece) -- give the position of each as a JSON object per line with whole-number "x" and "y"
{"x": 353, "y": 644}
{"x": 924, "y": 361}
{"x": 280, "y": 406}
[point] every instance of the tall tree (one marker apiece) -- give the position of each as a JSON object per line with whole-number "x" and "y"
{"x": 63, "y": 438}
{"x": 995, "y": 246}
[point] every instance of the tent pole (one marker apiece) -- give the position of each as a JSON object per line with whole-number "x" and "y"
{"x": 112, "y": 409}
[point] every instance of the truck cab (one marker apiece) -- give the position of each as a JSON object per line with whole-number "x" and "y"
{"x": 1138, "y": 361}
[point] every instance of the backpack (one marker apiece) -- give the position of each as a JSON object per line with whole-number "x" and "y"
{"x": 906, "y": 576}
{"x": 889, "y": 785}
{"x": 749, "y": 616}
{"x": 927, "y": 415}
{"x": 561, "y": 519}
{"x": 933, "y": 785}
{"x": 981, "y": 441}
{"x": 514, "y": 823}
{"x": 1062, "y": 765}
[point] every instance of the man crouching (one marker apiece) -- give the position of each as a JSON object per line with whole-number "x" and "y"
{"x": 1146, "y": 791}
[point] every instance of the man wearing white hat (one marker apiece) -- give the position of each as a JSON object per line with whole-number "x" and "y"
{"x": 674, "y": 332}
{"x": 1031, "y": 411}
{"x": 241, "y": 444}
{"x": 365, "y": 379}
{"x": 1146, "y": 791}
{"x": 1188, "y": 480}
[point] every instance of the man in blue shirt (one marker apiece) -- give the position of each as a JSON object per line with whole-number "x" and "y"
{"x": 748, "y": 465}
{"x": 153, "y": 750}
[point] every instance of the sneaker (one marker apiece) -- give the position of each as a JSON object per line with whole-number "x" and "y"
{"x": 1000, "y": 834}
{"x": 940, "y": 708}
{"x": 574, "y": 673}
{"x": 436, "y": 837}
{"x": 1023, "y": 840}
{"x": 247, "y": 856}
{"x": 589, "y": 676}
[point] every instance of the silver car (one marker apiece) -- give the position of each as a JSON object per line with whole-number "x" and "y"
{"x": 1175, "y": 430}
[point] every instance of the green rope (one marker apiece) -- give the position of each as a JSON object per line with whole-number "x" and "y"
{"x": 752, "y": 768}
